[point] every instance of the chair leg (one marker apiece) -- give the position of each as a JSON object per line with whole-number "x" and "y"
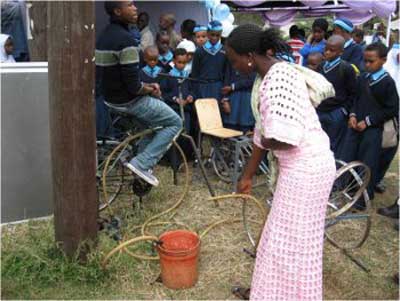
{"x": 203, "y": 170}
{"x": 235, "y": 174}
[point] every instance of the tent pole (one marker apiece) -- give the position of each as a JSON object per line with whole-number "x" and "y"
{"x": 388, "y": 30}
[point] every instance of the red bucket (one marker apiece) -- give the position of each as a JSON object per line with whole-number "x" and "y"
{"x": 179, "y": 257}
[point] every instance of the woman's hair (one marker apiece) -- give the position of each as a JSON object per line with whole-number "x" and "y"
{"x": 270, "y": 39}
{"x": 321, "y": 23}
{"x": 251, "y": 38}
{"x": 244, "y": 38}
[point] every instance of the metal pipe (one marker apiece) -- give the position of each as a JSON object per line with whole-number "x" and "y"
{"x": 388, "y": 30}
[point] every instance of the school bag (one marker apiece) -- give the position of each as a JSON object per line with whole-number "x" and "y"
{"x": 390, "y": 133}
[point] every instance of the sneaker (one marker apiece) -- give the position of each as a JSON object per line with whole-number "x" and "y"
{"x": 143, "y": 174}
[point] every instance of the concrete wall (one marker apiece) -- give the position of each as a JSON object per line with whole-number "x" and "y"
{"x": 25, "y": 143}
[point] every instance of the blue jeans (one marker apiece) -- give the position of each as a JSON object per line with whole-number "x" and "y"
{"x": 334, "y": 124}
{"x": 151, "y": 112}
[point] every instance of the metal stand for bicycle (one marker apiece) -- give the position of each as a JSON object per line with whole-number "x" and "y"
{"x": 184, "y": 134}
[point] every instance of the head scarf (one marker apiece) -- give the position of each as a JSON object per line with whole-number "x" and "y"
{"x": 4, "y": 57}
{"x": 189, "y": 46}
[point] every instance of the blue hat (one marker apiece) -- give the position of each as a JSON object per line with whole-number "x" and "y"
{"x": 215, "y": 26}
{"x": 344, "y": 24}
{"x": 199, "y": 28}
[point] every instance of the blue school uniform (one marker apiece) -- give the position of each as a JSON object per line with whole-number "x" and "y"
{"x": 241, "y": 117}
{"x": 209, "y": 63}
{"x": 309, "y": 48}
{"x": 150, "y": 75}
{"x": 164, "y": 60}
{"x": 377, "y": 101}
{"x": 332, "y": 112}
{"x": 170, "y": 92}
{"x": 353, "y": 54}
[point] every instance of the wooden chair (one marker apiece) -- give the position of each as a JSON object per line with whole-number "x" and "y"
{"x": 210, "y": 120}
{"x": 225, "y": 153}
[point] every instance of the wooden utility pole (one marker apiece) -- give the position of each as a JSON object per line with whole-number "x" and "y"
{"x": 71, "y": 43}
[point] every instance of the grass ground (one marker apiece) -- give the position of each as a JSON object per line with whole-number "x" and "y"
{"x": 31, "y": 268}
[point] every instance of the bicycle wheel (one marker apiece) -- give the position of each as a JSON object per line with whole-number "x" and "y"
{"x": 347, "y": 227}
{"x": 223, "y": 161}
{"x": 115, "y": 173}
{"x": 253, "y": 222}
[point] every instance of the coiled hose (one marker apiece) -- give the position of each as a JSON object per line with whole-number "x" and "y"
{"x": 148, "y": 223}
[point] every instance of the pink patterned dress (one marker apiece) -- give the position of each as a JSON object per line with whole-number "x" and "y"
{"x": 289, "y": 255}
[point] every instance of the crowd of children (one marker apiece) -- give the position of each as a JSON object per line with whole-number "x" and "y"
{"x": 365, "y": 98}
{"x": 199, "y": 55}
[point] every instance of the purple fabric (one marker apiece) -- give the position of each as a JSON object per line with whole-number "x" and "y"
{"x": 313, "y": 3}
{"x": 279, "y": 17}
{"x": 356, "y": 18}
{"x": 382, "y": 8}
{"x": 361, "y": 11}
{"x": 248, "y": 3}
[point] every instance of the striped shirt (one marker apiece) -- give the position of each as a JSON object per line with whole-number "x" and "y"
{"x": 117, "y": 64}
{"x": 296, "y": 45}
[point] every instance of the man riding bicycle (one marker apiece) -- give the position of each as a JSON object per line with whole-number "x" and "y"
{"x": 117, "y": 61}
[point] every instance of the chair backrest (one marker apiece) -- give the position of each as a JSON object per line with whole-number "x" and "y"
{"x": 208, "y": 114}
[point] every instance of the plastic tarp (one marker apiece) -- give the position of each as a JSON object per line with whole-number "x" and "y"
{"x": 357, "y": 11}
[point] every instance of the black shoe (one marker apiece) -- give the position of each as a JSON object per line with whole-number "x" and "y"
{"x": 391, "y": 211}
{"x": 380, "y": 187}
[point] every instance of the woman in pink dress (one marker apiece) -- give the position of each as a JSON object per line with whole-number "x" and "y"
{"x": 289, "y": 255}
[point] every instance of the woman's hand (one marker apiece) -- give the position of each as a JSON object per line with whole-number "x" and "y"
{"x": 245, "y": 183}
{"x": 244, "y": 186}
